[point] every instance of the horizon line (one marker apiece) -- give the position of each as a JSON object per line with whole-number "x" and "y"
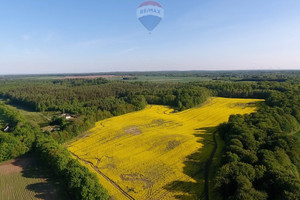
{"x": 158, "y": 71}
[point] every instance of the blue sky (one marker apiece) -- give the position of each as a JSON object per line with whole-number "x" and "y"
{"x": 54, "y": 36}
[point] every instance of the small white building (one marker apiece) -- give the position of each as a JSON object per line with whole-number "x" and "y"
{"x": 67, "y": 116}
{"x": 6, "y": 128}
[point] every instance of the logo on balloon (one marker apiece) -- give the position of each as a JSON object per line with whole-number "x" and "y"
{"x": 150, "y": 14}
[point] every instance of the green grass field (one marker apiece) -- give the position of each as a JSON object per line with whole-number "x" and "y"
{"x": 35, "y": 118}
{"x": 26, "y": 178}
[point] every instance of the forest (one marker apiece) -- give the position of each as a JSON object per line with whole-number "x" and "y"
{"x": 261, "y": 157}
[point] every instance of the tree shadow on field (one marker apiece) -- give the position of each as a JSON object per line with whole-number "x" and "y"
{"x": 47, "y": 186}
{"x": 195, "y": 167}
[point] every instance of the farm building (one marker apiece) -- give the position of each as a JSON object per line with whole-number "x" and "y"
{"x": 6, "y": 128}
{"x": 66, "y": 116}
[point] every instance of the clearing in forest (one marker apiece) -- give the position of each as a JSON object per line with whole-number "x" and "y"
{"x": 146, "y": 154}
{"x": 35, "y": 118}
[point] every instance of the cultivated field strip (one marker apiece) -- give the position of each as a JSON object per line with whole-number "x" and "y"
{"x": 144, "y": 152}
{"x": 26, "y": 178}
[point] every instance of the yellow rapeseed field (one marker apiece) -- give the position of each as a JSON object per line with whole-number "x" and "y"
{"x": 142, "y": 152}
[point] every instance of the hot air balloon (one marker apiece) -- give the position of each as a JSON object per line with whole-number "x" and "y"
{"x": 150, "y": 14}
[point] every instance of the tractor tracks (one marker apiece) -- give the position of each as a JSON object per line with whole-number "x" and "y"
{"x": 128, "y": 196}
{"x": 208, "y": 164}
{"x": 207, "y": 167}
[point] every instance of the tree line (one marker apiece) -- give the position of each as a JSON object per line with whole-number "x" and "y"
{"x": 19, "y": 140}
{"x": 80, "y": 182}
{"x": 261, "y": 156}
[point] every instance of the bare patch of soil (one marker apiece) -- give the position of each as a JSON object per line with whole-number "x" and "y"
{"x": 15, "y": 166}
{"x": 134, "y": 130}
{"x": 172, "y": 145}
{"x": 105, "y": 162}
{"x": 137, "y": 177}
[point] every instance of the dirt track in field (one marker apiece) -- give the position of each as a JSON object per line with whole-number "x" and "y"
{"x": 107, "y": 178}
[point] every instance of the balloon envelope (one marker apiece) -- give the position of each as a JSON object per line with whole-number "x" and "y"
{"x": 150, "y": 14}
